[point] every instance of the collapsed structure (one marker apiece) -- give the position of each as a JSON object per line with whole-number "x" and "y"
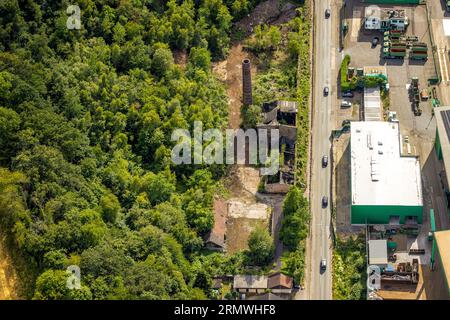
{"x": 282, "y": 115}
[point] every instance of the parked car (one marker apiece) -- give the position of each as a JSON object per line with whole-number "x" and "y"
{"x": 324, "y": 201}
{"x": 347, "y": 94}
{"x": 323, "y": 264}
{"x": 326, "y": 91}
{"x": 346, "y": 104}
{"x": 327, "y": 13}
{"x": 375, "y": 41}
{"x": 324, "y": 161}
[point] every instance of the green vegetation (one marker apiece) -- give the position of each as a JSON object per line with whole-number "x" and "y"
{"x": 86, "y": 118}
{"x": 265, "y": 38}
{"x": 261, "y": 247}
{"x": 276, "y": 78}
{"x": 349, "y": 269}
{"x": 366, "y": 81}
{"x": 303, "y": 23}
{"x": 346, "y": 84}
{"x": 294, "y": 231}
{"x": 385, "y": 100}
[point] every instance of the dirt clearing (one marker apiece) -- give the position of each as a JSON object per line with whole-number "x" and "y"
{"x": 8, "y": 276}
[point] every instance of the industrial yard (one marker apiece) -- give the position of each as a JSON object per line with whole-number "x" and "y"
{"x": 388, "y": 186}
{"x": 400, "y": 71}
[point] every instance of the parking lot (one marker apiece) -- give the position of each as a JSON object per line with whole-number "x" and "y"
{"x": 357, "y": 44}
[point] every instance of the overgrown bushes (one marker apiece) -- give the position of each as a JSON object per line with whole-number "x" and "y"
{"x": 349, "y": 272}
{"x": 366, "y": 81}
{"x": 303, "y": 94}
{"x": 346, "y": 84}
{"x": 294, "y": 231}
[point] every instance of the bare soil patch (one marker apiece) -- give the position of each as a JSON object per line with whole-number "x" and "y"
{"x": 8, "y": 276}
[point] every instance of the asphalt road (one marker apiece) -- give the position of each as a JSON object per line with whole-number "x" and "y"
{"x": 320, "y": 283}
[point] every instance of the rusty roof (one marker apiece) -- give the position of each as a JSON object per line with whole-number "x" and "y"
{"x": 280, "y": 280}
{"x": 217, "y": 234}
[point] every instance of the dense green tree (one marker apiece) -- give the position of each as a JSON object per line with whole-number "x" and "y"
{"x": 162, "y": 62}
{"x": 261, "y": 246}
{"x": 295, "y": 224}
{"x": 9, "y": 125}
{"x": 52, "y": 285}
{"x": 86, "y": 118}
{"x": 110, "y": 207}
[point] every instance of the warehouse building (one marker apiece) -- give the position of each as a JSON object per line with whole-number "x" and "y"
{"x": 443, "y": 250}
{"x": 386, "y": 187}
{"x": 442, "y": 143}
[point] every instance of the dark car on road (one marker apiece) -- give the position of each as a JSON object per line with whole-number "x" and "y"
{"x": 327, "y": 13}
{"x": 326, "y": 91}
{"x": 323, "y": 265}
{"x": 324, "y": 201}
{"x": 324, "y": 161}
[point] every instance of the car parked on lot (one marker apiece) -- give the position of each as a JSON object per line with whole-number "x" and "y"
{"x": 346, "y": 104}
{"x": 324, "y": 161}
{"x": 347, "y": 94}
{"x": 375, "y": 41}
{"x": 324, "y": 201}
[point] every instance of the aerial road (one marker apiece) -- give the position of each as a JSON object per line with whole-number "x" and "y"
{"x": 319, "y": 284}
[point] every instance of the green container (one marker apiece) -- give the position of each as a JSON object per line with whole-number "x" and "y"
{"x": 392, "y": 245}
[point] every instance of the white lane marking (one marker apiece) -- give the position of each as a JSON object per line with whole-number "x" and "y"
{"x": 445, "y": 63}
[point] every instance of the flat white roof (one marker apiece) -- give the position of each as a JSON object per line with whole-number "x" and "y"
{"x": 379, "y": 174}
{"x": 446, "y": 26}
{"x": 378, "y": 252}
{"x": 372, "y": 104}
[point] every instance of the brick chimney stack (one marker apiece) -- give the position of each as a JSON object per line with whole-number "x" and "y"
{"x": 247, "y": 82}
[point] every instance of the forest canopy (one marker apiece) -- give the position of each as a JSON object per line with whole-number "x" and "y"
{"x": 85, "y": 121}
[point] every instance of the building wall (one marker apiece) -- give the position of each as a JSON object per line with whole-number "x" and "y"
{"x": 442, "y": 270}
{"x": 360, "y": 214}
{"x": 395, "y": 1}
{"x": 438, "y": 146}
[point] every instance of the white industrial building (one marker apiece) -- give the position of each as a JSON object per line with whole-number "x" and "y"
{"x": 383, "y": 19}
{"x": 386, "y": 187}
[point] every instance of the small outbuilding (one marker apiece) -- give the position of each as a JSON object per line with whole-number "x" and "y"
{"x": 280, "y": 283}
{"x": 378, "y": 254}
{"x": 250, "y": 283}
